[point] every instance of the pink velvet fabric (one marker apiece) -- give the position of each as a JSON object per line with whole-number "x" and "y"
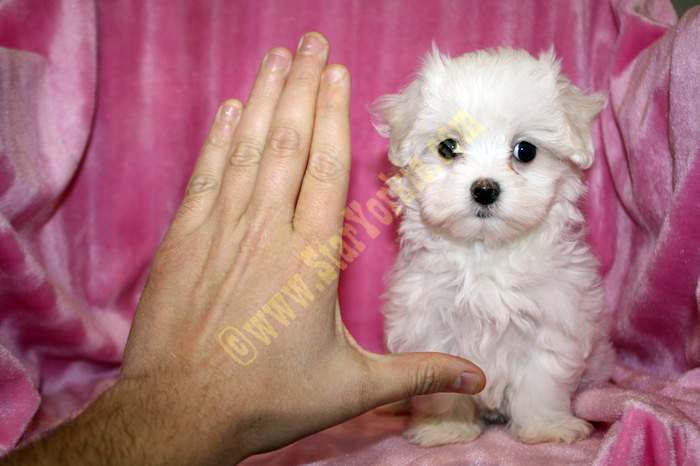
{"x": 103, "y": 107}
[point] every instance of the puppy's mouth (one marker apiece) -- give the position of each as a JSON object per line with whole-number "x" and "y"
{"x": 484, "y": 212}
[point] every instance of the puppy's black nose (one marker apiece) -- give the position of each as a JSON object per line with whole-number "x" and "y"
{"x": 485, "y": 191}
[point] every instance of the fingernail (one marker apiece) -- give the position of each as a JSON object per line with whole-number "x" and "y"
{"x": 310, "y": 44}
{"x": 229, "y": 113}
{"x": 276, "y": 62}
{"x": 467, "y": 382}
{"x": 333, "y": 75}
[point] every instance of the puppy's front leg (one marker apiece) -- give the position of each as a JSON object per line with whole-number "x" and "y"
{"x": 540, "y": 402}
{"x": 443, "y": 418}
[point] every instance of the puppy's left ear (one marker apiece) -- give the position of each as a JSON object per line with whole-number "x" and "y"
{"x": 580, "y": 110}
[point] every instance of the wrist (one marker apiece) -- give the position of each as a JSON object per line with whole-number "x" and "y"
{"x": 170, "y": 423}
{"x": 135, "y": 422}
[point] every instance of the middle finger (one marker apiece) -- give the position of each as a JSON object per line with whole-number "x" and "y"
{"x": 284, "y": 159}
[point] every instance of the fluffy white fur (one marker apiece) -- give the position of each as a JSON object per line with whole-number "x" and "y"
{"x": 518, "y": 292}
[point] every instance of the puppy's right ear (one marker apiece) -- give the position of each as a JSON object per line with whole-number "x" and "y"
{"x": 395, "y": 115}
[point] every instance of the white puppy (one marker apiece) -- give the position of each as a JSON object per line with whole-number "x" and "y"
{"x": 493, "y": 266}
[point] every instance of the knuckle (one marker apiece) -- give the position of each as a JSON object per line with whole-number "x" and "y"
{"x": 250, "y": 245}
{"x": 256, "y": 235}
{"x": 305, "y": 76}
{"x": 202, "y": 183}
{"x": 427, "y": 378}
{"x": 260, "y": 215}
{"x": 325, "y": 163}
{"x": 188, "y": 209}
{"x": 220, "y": 136}
{"x": 332, "y": 104}
{"x": 246, "y": 153}
{"x": 171, "y": 246}
{"x": 178, "y": 249}
{"x": 285, "y": 140}
{"x": 263, "y": 215}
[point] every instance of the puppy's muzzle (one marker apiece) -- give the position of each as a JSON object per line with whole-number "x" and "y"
{"x": 485, "y": 191}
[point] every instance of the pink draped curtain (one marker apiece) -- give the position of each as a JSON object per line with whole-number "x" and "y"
{"x": 103, "y": 106}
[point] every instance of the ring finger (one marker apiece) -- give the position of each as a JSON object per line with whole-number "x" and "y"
{"x": 249, "y": 141}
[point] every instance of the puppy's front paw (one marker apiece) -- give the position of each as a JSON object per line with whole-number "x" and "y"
{"x": 565, "y": 430}
{"x": 434, "y": 432}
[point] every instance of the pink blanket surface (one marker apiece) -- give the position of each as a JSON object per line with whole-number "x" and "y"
{"x": 103, "y": 106}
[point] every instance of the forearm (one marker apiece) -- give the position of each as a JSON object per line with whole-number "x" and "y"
{"x": 128, "y": 425}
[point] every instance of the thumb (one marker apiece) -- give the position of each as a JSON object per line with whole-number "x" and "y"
{"x": 399, "y": 376}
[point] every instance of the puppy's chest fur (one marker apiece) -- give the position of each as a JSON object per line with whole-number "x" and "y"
{"x": 496, "y": 307}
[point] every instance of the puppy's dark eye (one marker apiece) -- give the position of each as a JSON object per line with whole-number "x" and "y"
{"x": 524, "y": 151}
{"x": 447, "y": 149}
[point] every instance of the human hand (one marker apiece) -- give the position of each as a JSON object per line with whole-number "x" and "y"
{"x": 270, "y": 181}
{"x": 267, "y": 185}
